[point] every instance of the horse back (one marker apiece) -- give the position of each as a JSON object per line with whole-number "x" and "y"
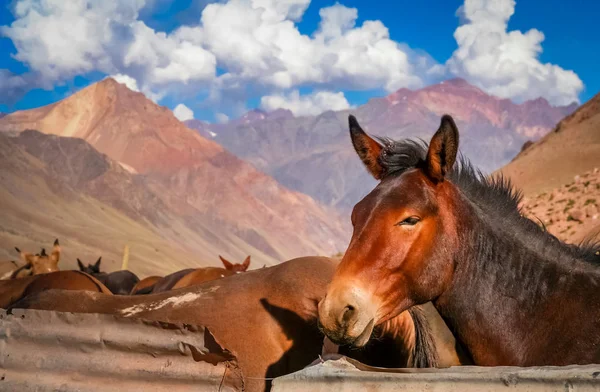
{"x": 120, "y": 282}
{"x": 167, "y": 283}
{"x": 202, "y": 275}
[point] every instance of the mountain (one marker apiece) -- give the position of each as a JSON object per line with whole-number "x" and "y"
{"x": 60, "y": 187}
{"x": 570, "y": 211}
{"x": 571, "y": 149}
{"x": 559, "y": 175}
{"x": 245, "y": 210}
{"x": 314, "y": 155}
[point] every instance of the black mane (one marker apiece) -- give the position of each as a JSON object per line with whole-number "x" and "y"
{"x": 496, "y": 196}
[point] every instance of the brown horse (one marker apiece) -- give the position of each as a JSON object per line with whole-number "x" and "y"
{"x": 192, "y": 276}
{"x": 235, "y": 267}
{"x": 144, "y": 284}
{"x": 118, "y": 282}
{"x": 266, "y": 317}
{"x": 15, "y": 289}
{"x": 512, "y": 293}
{"x": 40, "y": 263}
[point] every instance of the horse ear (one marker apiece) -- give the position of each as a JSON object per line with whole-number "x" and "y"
{"x": 80, "y": 264}
{"x": 43, "y": 254}
{"x": 226, "y": 263}
{"x": 246, "y": 263}
{"x": 55, "y": 255}
{"x": 97, "y": 265}
{"x": 367, "y": 148}
{"x": 442, "y": 150}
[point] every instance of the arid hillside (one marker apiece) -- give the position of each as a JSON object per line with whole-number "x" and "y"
{"x": 314, "y": 155}
{"x": 55, "y": 187}
{"x": 572, "y": 211}
{"x": 559, "y": 175}
{"x": 240, "y": 209}
{"x": 571, "y": 149}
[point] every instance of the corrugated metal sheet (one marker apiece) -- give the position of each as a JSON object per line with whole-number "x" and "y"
{"x": 52, "y": 351}
{"x": 346, "y": 375}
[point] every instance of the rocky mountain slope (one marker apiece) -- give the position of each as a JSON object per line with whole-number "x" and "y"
{"x": 572, "y": 211}
{"x": 314, "y": 154}
{"x": 559, "y": 175}
{"x": 572, "y": 148}
{"x": 58, "y": 187}
{"x": 245, "y": 210}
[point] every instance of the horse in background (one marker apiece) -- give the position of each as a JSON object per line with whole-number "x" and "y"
{"x": 193, "y": 276}
{"x": 145, "y": 284}
{"x": 243, "y": 267}
{"x": 118, "y": 282}
{"x": 39, "y": 263}
{"x": 14, "y": 289}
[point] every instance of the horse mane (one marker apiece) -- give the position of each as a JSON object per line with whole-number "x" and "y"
{"x": 494, "y": 195}
{"x": 424, "y": 353}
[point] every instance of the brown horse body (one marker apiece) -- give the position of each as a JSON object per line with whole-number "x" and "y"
{"x": 266, "y": 317}
{"x": 512, "y": 293}
{"x": 202, "y": 275}
{"x": 119, "y": 282}
{"x": 145, "y": 284}
{"x": 15, "y": 289}
{"x": 193, "y": 276}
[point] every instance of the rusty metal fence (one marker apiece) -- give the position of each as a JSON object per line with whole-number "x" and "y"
{"x": 52, "y": 351}
{"x": 344, "y": 375}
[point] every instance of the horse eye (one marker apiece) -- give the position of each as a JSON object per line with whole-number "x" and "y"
{"x": 410, "y": 221}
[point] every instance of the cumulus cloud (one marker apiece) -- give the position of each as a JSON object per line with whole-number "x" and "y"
{"x": 270, "y": 50}
{"x": 258, "y": 49}
{"x": 81, "y": 36}
{"x": 183, "y": 113}
{"x": 506, "y": 63}
{"x": 305, "y": 105}
{"x": 127, "y": 80}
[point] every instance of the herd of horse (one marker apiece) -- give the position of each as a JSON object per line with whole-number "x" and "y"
{"x": 40, "y": 272}
{"x": 435, "y": 242}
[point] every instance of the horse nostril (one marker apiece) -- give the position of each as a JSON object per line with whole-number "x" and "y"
{"x": 347, "y": 314}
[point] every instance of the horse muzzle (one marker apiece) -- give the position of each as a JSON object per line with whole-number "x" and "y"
{"x": 346, "y": 316}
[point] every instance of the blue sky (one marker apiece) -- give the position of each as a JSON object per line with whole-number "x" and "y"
{"x": 164, "y": 50}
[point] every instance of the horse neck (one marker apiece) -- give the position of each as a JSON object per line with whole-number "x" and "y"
{"x": 507, "y": 298}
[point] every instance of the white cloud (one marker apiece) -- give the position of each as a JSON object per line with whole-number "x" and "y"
{"x": 127, "y": 80}
{"x": 81, "y": 36}
{"x": 305, "y": 105}
{"x": 221, "y": 118}
{"x": 258, "y": 46}
{"x": 270, "y": 50}
{"x": 183, "y": 113}
{"x": 506, "y": 63}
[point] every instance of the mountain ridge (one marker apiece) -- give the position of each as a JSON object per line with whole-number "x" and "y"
{"x": 223, "y": 189}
